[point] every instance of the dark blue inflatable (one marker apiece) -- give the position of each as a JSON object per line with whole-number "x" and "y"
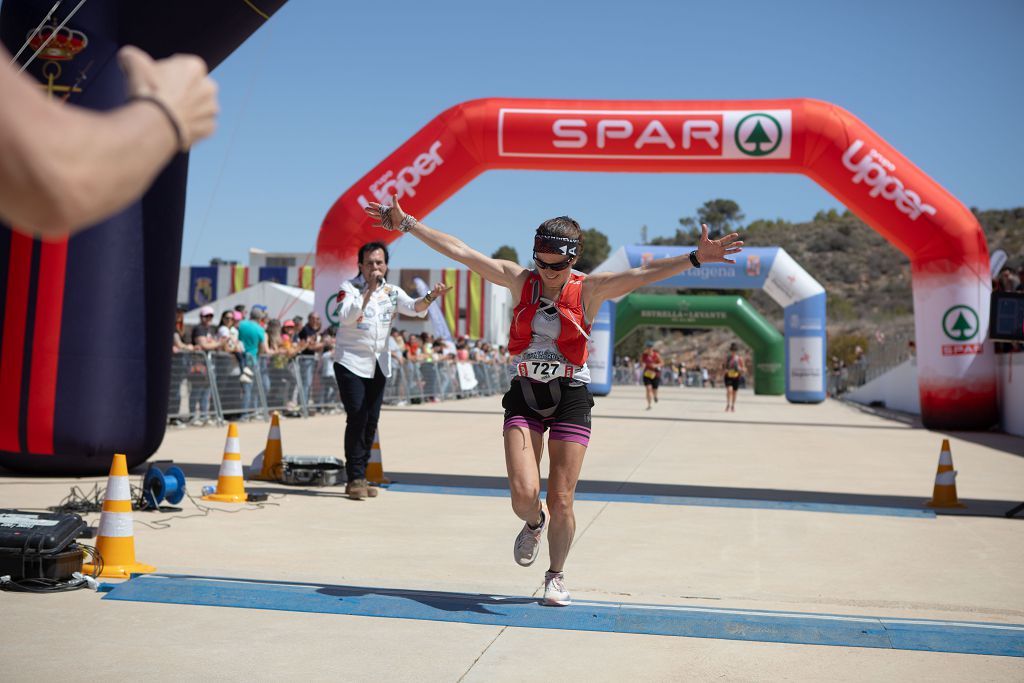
{"x": 85, "y": 324}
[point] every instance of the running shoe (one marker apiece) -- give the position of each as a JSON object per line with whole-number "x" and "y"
{"x": 527, "y": 545}
{"x": 555, "y": 592}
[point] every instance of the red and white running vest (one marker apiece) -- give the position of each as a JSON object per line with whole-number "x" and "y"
{"x": 571, "y": 342}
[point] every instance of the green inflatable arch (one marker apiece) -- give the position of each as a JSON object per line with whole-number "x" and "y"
{"x": 665, "y": 310}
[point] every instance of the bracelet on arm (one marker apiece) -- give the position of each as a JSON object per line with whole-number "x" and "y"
{"x": 407, "y": 223}
{"x": 385, "y": 219}
{"x": 693, "y": 259}
{"x": 429, "y": 298}
{"x": 179, "y": 134}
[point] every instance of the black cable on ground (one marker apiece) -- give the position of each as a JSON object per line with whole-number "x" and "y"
{"x": 204, "y": 510}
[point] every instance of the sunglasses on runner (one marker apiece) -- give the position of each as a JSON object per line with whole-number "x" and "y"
{"x": 552, "y": 266}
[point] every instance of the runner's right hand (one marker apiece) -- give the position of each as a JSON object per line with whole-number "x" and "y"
{"x": 180, "y": 82}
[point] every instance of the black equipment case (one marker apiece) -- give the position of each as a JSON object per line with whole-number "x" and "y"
{"x": 311, "y": 470}
{"x": 39, "y": 545}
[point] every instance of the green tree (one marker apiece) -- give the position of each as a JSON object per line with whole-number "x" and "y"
{"x": 685, "y": 236}
{"x": 721, "y": 216}
{"x": 507, "y": 253}
{"x": 595, "y": 250}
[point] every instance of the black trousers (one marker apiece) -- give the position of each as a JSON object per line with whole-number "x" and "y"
{"x": 362, "y": 399}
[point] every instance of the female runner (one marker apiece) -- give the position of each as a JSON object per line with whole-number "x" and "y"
{"x": 553, "y": 310}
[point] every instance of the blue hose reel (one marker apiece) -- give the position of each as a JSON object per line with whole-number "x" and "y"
{"x": 158, "y": 486}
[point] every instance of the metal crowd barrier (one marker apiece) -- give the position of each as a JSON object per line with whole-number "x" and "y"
{"x": 208, "y": 387}
{"x": 419, "y": 381}
{"x": 629, "y": 376}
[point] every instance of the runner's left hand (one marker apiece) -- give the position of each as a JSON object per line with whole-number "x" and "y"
{"x": 715, "y": 251}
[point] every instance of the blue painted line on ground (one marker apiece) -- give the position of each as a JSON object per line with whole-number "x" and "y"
{"x": 684, "y": 500}
{"x": 666, "y": 620}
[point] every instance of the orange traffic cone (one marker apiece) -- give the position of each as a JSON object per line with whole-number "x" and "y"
{"x": 375, "y": 467}
{"x": 944, "y": 494}
{"x": 115, "y": 540}
{"x": 272, "y": 454}
{"x": 230, "y": 485}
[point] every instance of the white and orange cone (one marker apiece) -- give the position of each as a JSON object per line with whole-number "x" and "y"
{"x": 944, "y": 493}
{"x": 273, "y": 453}
{"x": 230, "y": 483}
{"x": 375, "y": 467}
{"x": 115, "y": 541}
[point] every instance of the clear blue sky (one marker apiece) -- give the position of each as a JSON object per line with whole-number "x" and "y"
{"x": 327, "y": 89}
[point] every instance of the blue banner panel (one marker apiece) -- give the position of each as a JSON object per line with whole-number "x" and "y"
{"x": 202, "y": 285}
{"x": 278, "y": 274}
{"x": 749, "y": 272}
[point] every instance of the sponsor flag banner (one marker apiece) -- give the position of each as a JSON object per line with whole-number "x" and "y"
{"x": 450, "y": 302}
{"x": 475, "y": 313}
{"x": 202, "y": 285}
{"x": 278, "y": 274}
{"x": 239, "y": 278}
{"x": 306, "y": 277}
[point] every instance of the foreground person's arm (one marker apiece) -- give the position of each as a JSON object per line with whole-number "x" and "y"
{"x": 63, "y": 168}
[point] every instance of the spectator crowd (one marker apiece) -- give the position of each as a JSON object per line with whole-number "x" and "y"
{"x": 294, "y": 357}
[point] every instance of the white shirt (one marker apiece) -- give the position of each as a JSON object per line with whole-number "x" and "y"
{"x": 362, "y": 340}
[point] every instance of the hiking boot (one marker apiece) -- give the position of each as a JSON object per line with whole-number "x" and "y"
{"x": 356, "y": 489}
{"x": 555, "y": 592}
{"x": 372, "y": 491}
{"x": 527, "y": 545}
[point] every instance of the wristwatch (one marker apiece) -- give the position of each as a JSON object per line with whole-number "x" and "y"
{"x": 428, "y": 298}
{"x": 693, "y": 259}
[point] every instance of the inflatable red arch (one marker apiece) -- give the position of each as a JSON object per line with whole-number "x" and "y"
{"x": 942, "y": 239}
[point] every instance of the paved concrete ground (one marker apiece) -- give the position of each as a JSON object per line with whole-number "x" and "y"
{"x": 951, "y": 567}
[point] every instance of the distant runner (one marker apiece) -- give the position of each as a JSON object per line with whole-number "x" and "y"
{"x": 652, "y": 363}
{"x": 735, "y": 368}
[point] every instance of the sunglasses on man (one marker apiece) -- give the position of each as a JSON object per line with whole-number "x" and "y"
{"x": 552, "y": 266}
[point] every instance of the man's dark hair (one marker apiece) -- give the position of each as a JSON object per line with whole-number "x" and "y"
{"x": 240, "y": 307}
{"x": 373, "y": 246}
{"x": 562, "y": 226}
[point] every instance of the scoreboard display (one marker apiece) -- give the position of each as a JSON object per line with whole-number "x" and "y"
{"x": 1006, "y": 317}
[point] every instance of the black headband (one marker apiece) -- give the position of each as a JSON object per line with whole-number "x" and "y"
{"x": 551, "y": 244}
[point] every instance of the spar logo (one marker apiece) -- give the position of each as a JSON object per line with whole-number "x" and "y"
{"x": 878, "y": 173}
{"x": 634, "y": 134}
{"x": 960, "y": 323}
{"x": 405, "y": 181}
{"x": 758, "y": 134}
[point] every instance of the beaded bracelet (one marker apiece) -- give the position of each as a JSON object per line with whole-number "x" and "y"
{"x": 385, "y": 220}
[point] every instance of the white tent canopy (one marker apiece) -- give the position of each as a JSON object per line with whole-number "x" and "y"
{"x": 281, "y": 301}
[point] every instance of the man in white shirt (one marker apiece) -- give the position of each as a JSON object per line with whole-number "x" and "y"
{"x": 362, "y": 362}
